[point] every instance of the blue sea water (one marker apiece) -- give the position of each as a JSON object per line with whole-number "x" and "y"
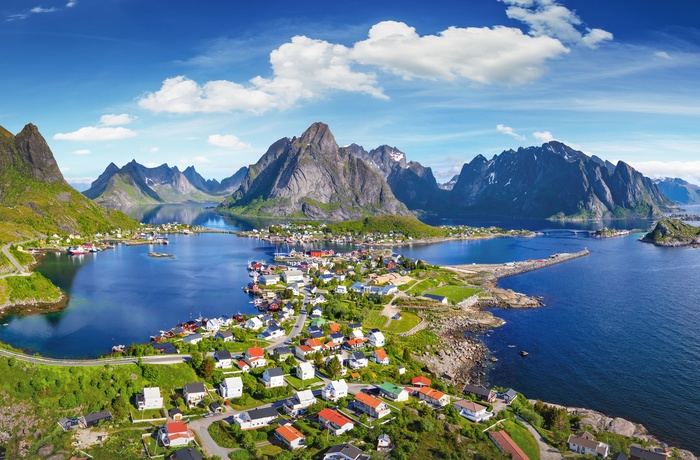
{"x": 618, "y": 332}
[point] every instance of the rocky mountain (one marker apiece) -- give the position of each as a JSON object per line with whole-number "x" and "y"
{"x": 673, "y": 233}
{"x": 312, "y": 177}
{"x": 412, "y": 183}
{"x": 449, "y": 185}
{"x": 35, "y": 198}
{"x": 679, "y": 190}
{"x": 136, "y": 184}
{"x": 553, "y": 181}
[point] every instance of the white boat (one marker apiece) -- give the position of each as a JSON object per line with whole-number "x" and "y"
{"x": 76, "y": 250}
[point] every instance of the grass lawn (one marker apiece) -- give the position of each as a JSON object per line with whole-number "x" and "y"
{"x": 455, "y": 293}
{"x": 522, "y": 438}
{"x": 221, "y": 435}
{"x": 299, "y": 384}
{"x": 375, "y": 319}
{"x": 138, "y": 415}
{"x": 270, "y": 450}
{"x": 407, "y": 322}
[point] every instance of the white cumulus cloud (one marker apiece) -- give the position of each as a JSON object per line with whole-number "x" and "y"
{"x": 549, "y": 18}
{"x": 71, "y": 4}
{"x": 81, "y": 152}
{"x": 543, "y": 136}
{"x": 688, "y": 170}
{"x": 116, "y": 120}
{"x": 93, "y": 133}
{"x": 507, "y": 130}
{"x": 228, "y": 141}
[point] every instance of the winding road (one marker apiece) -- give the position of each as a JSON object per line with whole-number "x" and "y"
{"x": 19, "y": 269}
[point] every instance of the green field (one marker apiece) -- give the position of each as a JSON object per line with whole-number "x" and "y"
{"x": 375, "y": 319}
{"x": 522, "y": 438}
{"x": 407, "y": 322}
{"x": 455, "y": 293}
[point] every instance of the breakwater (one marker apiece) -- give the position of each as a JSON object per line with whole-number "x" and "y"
{"x": 516, "y": 268}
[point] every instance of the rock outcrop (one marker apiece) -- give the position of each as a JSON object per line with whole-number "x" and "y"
{"x": 673, "y": 233}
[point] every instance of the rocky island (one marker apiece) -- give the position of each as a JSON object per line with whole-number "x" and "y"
{"x": 673, "y": 233}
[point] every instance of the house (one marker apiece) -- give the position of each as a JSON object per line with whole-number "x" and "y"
{"x": 433, "y": 397}
{"x": 192, "y": 393}
{"x": 94, "y": 418}
{"x": 358, "y": 360}
{"x": 175, "y": 413}
{"x": 637, "y": 453}
{"x": 193, "y": 339}
{"x": 376, "y": 338}
{"x": 297, "y": 404}
{"x": 438, "y": 298}
{"x": 506, "y": 445}
{"x": 150, "y": 398}
{"x": 334, "y": 422}
{"x": 379, "y": 356}
{"x": 187, "y": 453}
{"x": 355, "y": 326}
{"x": 268, "y": 280}
{"x": 483, "y": 393}
{"x": 226, "y": 336}
{"x": 341, "y": 289}
{"x": 223, "y": 359}
{"x": 292, "y": 276}
{"x": 420, "y": 381}
{"x": 317, "y": 311}
{"x": 336, "y": 337}
{"x": 212, "y": 325}
{"x": 243, "y": 366}
{"x": 175, "y": 434}
{"x": 345, "y": 452}
{"x": 255, "y": 357}
{"x": 253, "y": 323}
{"x": 290, "y": 437}
{"x": 384, "y": 443}
{"x": 334, "y": 390}
{"x": 273, "y": 377}
{"x": 585, "y": 443}
{"x": 272, "y": 331}
{"x": 509, "y": 396}
{"x": 216, "y": 408}
{"x": 472, "y": 411}
{"x": 305, "y": 371}
{"x": 302, "y": 351}
{"x": 316, "y": 344}
{"x": 401, "y": 370}
{"x": 370, "y": 405}
{"x": 255, "y": 418}
{"x": 354, "y": 344}
{"x": 393, "y": 392}
{"x": 231, "y": 387}
{"x": 165, "y": 348}
{"x": 282, "y": 353}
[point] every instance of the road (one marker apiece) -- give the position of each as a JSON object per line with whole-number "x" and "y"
{"x": 159, "y": 359}
{"x": 19, "y": 270}
{"x": 546, "y": 452}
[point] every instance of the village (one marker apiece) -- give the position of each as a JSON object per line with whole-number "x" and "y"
{"x": 313, "y": 367}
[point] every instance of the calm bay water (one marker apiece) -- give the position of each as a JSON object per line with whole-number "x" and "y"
{"x": 617, "y": 334}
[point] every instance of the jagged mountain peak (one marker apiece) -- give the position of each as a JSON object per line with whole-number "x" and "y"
{"x": 318, "y": 134}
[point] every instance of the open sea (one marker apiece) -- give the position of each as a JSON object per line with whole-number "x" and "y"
{"x": 618, "y": 332}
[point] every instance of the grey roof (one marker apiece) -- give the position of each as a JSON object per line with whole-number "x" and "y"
{"x": 196, "y": 387}
{"x": 477, "y": 390}
{"x": 511, "y": 393}
{"x": 355, "y": 326}
{"x": 225, "y": 333}
{"x": 187, "y": 453}
{"x": 283, "y": 351}
{"x": 643, "y": 454}
{"x": 620, "y": 456}
{"x": 174, "y": 411}
{"x": 223, "y": 354}
{"x": 101, "y": 415}
{"x": 264, "y": 412}
{"x": 358, "y": 355}
{"x": 275, "y": 372}
{"x": 348, "y": 450}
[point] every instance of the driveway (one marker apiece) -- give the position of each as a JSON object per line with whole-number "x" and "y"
{"x": 546, "y": 452}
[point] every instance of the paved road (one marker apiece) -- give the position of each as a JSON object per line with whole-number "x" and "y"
{"x": 19, "y": 270}
{"x": 160, "y": 359}
{"x": 296, "y": 330}
{"x": 201, "y": 427}
{"x": 546, "y": 452}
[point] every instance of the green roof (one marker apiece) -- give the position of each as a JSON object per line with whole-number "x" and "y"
{"x": 319, "y": 322}
{"x": 391, "y": 388}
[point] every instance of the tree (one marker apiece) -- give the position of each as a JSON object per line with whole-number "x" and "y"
{"x": 207, "y": 368}
{"x": 333, "y": 367}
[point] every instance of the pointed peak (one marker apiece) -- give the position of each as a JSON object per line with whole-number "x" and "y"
{"x": 319, "y": 134}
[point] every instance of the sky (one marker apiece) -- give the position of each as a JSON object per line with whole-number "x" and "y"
{"x": 214, "y": 83}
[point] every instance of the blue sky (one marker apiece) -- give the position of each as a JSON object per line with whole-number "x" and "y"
{"x": 214, "y": 83}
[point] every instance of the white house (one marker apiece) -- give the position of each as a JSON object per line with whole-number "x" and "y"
{"x": 149, "y": 399}
{"x": 255, "y": 357}
{"x": 358, "y": 360}
{"x": 393, "y": 392}
{"x": 212, "y": 325}
{"x": 194, "y": 339}
{"x": 341, "y": 289}
{"x": 334, "y": 390}
{"x": 175, "y": 434}
{"x": 370, "y": 405}
{"x": 305, "y": 371}
{"x": 297, "y": 404}
{"x": 268, "y": 280}
{"x": 192, "y": 393}
{"x": 226, "y": 336}
{"x": 255, "y": 418}
{"x": 379, "y": 356}
{"x": 334, "y": 421}
{"x": 272, "y": 331}
{"x": 292, "y": 276}
{"x": 472, "y": 411}
{"x": 231, "y": 387}
{"x": 290, "y": 437}
{"x": 433, "y": 397}
{"x": 585, "y": 443}
{"x": 254, "y": 323}
{"x": 273, "y": 377}
{"x": 376, "y": 338}
{"x": 223, "y": 359}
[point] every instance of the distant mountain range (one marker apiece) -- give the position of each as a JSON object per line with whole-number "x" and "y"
{"x": 679, "y": 190}
{"x": 312, "y": 177}
{"x": 36, "y": 200}
{"x": 136, "y": 184}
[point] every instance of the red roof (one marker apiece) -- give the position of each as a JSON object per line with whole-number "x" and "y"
{"x": 431, "y": 393}
{"x": 335, "y": 327}
{"x": 380, "y": 354}
{"x": 313, "y": 343}
{"x": 289, "y": 433}
{"x": 335, "y": 417}
{"x": 506, "y": 444}
{"x": 175, "y": 427}
{"x": 421, "y": 381}
{"x": 256, "y": 352}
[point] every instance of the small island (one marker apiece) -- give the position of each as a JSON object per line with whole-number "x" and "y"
{"x": 673, "y": 233}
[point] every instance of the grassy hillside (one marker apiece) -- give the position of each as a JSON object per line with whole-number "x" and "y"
{"x": 409, "y": 226}
{"x": 672, "y": 232}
